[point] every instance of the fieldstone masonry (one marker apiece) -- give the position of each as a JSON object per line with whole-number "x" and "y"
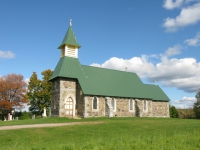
{"x": 55, "y": 98}
{"x": 62, "y": 89}
{"x": 153, "y": 109}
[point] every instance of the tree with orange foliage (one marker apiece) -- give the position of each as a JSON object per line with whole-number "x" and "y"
{"x": 13, "y": 91}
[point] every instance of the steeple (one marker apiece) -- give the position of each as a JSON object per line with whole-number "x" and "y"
{"x": 69, "y": 46}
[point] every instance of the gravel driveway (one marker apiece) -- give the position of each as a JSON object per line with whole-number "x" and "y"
{"x": 14, "y": 127}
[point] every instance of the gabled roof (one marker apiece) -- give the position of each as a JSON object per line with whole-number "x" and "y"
{"x": 107, "y": 82}
{"x": 69, "y": 39}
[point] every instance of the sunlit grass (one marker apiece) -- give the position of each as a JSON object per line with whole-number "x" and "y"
{"x": 114, "y": 133}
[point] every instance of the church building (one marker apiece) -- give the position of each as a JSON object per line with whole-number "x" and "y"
{"x": 86, "y": 91}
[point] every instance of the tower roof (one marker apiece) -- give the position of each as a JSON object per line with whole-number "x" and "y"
{"x": 70, "y": 38}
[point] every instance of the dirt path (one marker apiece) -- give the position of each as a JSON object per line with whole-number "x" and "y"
{"x": 13, "y": 127}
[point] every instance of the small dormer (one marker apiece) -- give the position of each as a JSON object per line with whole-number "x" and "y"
{"x": 69, "y": 46}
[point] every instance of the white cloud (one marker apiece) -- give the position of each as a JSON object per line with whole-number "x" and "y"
{"x": 139, "y": 65}
{"x": 175, "y": 69}
{"x": 171, "y": 4}
{"x": 185, "y": 102}
{"x": 183, "y": 74}
{"x": 95, "y": 65}
{"x": 188, "y": 16}
{"x": 173, "y": 50}
{"x": 189, "y": 85}
{"x": 6, "y": 54}
{"x": 194, "y": 41}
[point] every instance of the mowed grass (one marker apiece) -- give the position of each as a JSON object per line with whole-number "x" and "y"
{"x": 112, "y": 134}
{"x": 39, "y": 121}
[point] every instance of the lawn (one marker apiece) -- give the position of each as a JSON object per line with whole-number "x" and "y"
{"x": 114, "y": 134}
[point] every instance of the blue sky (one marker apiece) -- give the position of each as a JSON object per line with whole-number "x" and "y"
{"x": 159, "y": 40}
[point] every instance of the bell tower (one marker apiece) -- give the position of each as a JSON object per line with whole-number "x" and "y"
{"x": 69, "y": 46}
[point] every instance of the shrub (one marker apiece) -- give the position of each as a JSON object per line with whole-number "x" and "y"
{"x": 186, "y": 113}
{"x": 23, "y": 115}
{"x": 173, "y": 112}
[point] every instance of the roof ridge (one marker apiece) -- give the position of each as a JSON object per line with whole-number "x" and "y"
{"x": 109, "y": 69}
{"x": 150, "y": 84}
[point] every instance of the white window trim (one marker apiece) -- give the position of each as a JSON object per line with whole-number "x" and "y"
{"x": 133, "y": 105}
{"x": 146, "y": 106}
{"x": 114, "y": 109}
{"x": 97, "y": 104}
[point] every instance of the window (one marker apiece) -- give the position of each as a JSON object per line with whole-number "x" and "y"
{"x": 113, "y": 103}
{"x": 69, "y": 106}
{"x": 145, "y": 105}
{"x": 131, "y": 104}
{"x": 94, "y": 103}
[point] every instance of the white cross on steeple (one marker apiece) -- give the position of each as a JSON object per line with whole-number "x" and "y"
{"x": 70, "y": 22}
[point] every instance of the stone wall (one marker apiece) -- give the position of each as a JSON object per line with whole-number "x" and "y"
{"x": 55, "y": 98}
{"x": 83, "y": 105}
{"x": 61, "y": 90}
{"x": 160, "y": 109}
{"x": 89, "y": 111}
{"x": 148, "y": 111}
{"x": 67, "y": 89}
{"x": 122, "y": 108}
{"x": 79, "y": 100}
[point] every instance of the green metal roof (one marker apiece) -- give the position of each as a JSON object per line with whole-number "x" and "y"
{"x": 67, "y": 67}
{"x": 69, "y": 39}
{"x": 107, "y": 82}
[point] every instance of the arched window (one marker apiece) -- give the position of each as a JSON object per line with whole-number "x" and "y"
{"x": 145, "y": 105}
{"x": 131, "y": 104}
{"x": 94, "y": 103}
{"x": 69, "y": 106}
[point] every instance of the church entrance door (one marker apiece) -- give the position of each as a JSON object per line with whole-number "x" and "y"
{"x": 69, "y": 107}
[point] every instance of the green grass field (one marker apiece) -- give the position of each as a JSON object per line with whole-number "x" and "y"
{"x": 112, "y": 134}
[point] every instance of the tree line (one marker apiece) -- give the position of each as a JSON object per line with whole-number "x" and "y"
{"x": 15, "y": 92}
{"x": 190, "y": 113}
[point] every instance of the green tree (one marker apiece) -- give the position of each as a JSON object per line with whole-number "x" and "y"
{"x": 39, "y": 92}
{"x": 197, "y": 105}
{"x": 173, "y": 112}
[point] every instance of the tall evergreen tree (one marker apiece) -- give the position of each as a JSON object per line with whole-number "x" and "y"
{"x": 39, "y": 92}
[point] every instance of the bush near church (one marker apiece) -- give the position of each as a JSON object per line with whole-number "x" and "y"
{"x": 173, "y": 112}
